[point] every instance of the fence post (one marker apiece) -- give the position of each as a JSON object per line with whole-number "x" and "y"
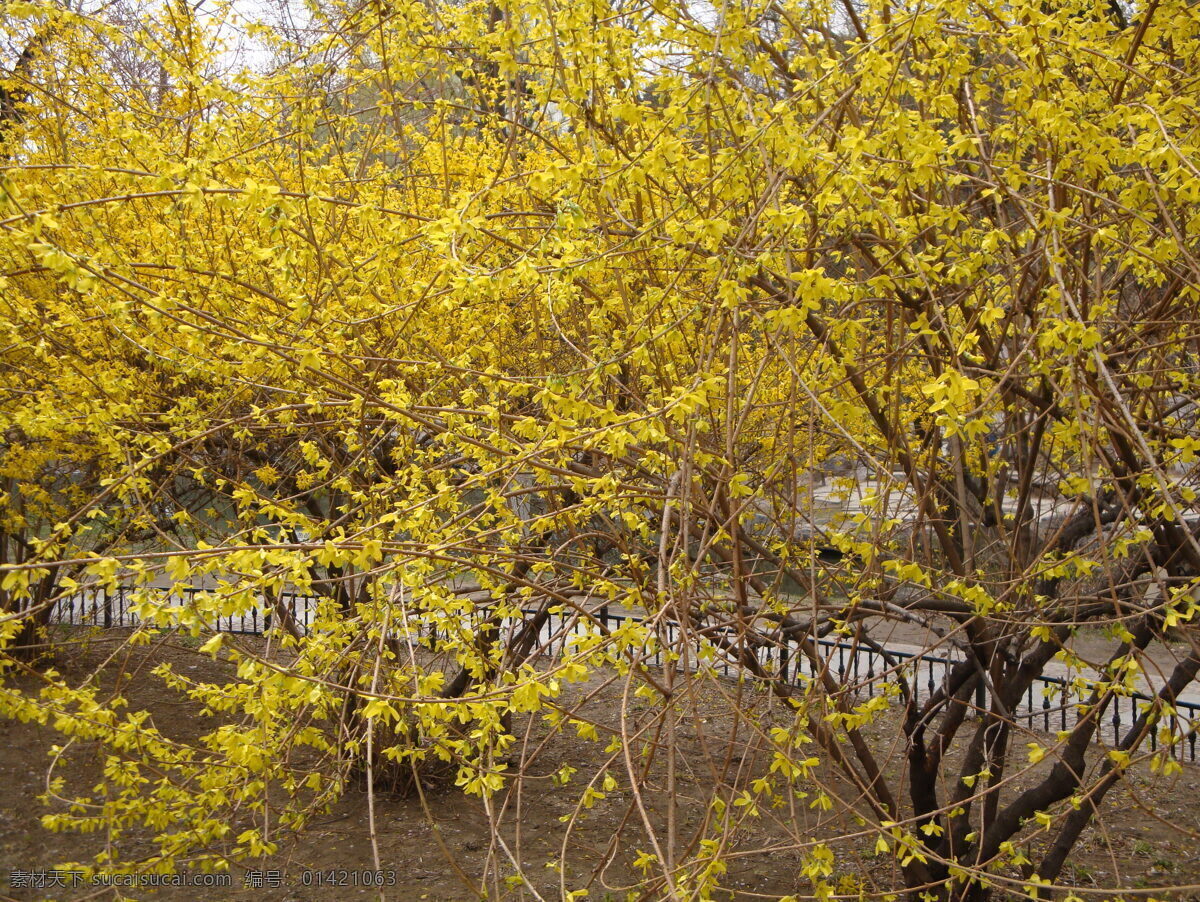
{"x": 107, "y": 609}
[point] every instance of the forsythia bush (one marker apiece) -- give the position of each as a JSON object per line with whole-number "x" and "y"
{"x": 457, "y": 314}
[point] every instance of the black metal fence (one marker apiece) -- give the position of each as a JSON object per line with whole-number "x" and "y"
{"x": 1050, "y": 703}
{"x": 108, "y": 608}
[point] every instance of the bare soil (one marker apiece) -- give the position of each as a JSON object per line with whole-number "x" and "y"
{"x": 439, "y": 846}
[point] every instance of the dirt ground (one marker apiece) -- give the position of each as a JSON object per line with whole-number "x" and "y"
{"x": 438, "y": 848}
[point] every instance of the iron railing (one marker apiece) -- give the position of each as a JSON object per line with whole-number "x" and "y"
{"x": 1048, "y": 704}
